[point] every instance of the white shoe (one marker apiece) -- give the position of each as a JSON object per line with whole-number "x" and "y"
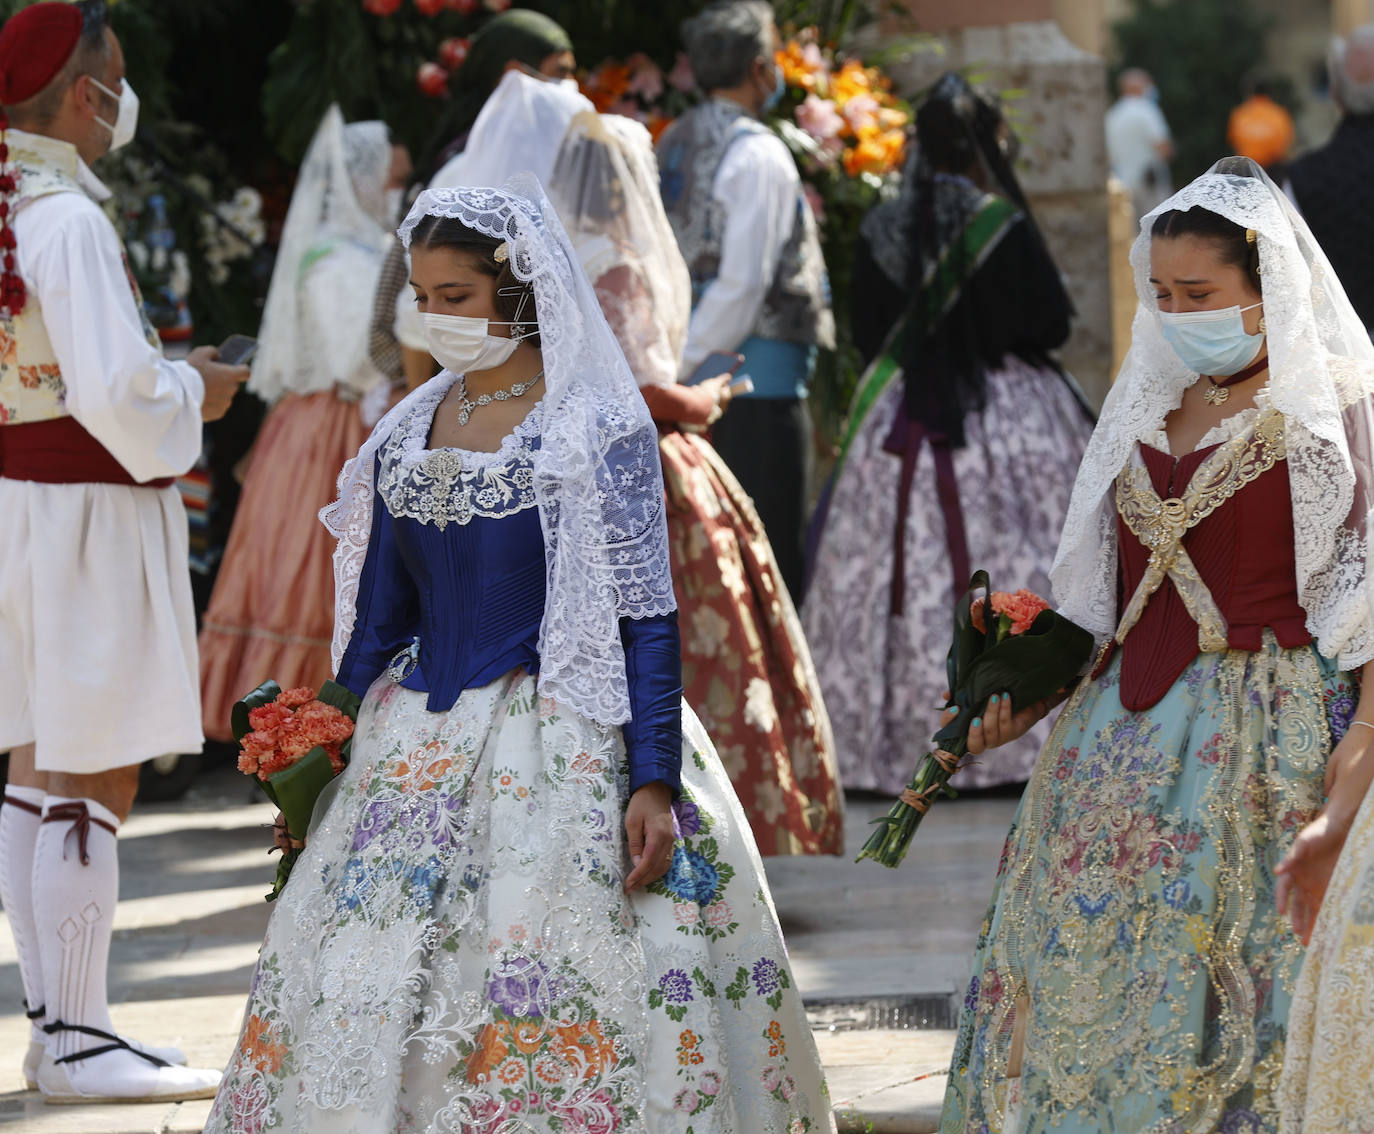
{"x": 121, "y": 1076}
{"x": 34, "y": 1057}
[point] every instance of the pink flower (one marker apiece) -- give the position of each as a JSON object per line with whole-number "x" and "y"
{"x": 710, "y": 1083}
{"x": 718, "y": 915}
{"x": 819, "y": 118}
{"x": 860, "y": 110}
{"x": 267, "y": 717}
{"x": 646, "y": 79}
{"x": 770, "y": 1078}
{"x": 680, "y": 77}
{"x": 788, "y": 1087}
{"x": 687, "y": 1101}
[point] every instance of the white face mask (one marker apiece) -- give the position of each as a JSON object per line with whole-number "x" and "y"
{"x": 461, "y": 344}
{"x": 126, "y": 118}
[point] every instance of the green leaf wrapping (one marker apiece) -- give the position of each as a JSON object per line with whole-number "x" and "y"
{"x": 295, "y": 789}
{"x": 264, "y": 694}
{"x": 345, "y": 700}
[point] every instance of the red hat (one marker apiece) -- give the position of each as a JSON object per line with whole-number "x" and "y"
{"x": 35, "y": 43}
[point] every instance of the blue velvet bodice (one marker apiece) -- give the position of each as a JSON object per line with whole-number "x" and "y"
{"x": 456, "y": 564}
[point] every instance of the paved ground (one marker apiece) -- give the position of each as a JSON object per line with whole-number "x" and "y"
{"x": 868, "y": 945}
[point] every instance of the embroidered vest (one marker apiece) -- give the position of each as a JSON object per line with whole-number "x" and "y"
{"x": 797, "y": 306}
{"x": 31, "y": 385}
{"x": 1206, "y": 557}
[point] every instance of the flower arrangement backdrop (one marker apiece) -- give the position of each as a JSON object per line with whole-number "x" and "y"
{"x": 232, "y": 93}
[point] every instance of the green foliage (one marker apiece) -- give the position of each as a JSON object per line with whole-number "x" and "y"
{"x": 1201, "y": 54}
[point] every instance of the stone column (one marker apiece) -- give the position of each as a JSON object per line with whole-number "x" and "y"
{"x": 1347, "y": 15}
{"x": 1017, "y": 45}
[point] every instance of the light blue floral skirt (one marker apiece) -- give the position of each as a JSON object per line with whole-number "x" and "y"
{"x": 454, "y": 952}
{"x": 1133, "y": 973}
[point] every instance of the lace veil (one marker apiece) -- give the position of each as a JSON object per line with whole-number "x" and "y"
{"x": 1321, "y": 367}
{"x": 605, "y": 188}
{"x": 339, "y": 199}
{"x": 519, "y": 131}
{"x": 598, "y": 482}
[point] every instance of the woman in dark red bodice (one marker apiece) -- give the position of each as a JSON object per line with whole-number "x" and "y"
{"x": 1136, "y": 970}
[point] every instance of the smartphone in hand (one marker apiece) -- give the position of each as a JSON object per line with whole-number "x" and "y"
{"x": 715, "y": 364}
{"x": 237, "y": 350}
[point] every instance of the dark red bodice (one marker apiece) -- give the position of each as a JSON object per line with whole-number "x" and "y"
{"x": 1243, "y": 551}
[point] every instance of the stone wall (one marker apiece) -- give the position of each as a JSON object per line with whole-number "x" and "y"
{"x": 1063, "y": 166}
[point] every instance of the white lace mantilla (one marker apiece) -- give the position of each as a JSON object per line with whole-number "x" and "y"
{"x": 1321, "y": 366}
{"x": 451, "y": 486}
{"x": 597, "y": 478}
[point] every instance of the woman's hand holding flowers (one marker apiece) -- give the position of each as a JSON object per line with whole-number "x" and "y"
{"x": 999, "y": 725}
{"x": 649, "y": 832}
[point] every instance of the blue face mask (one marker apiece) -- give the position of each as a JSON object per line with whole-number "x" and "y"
{"x": 1152, "y": 93}
{"x": 1212, "y": 342}
{"x": 779, "y": 89}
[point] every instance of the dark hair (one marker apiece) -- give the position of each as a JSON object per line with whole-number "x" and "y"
{"x": 1230, "y": 240}
{"x": 514, "y": 297}
{"x": 91, "y": 52}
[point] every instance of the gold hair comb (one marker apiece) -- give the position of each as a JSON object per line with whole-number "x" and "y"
{"x": 502, "y": 253}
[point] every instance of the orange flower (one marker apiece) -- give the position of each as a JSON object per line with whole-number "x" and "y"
{"x": 258, "y": 1046}
{"x": 802, "y": 66}
{"x": 586, "y": 1046}
{"x": 510, "y": 1072}
{"x": 529, "y": 1037}
{"x": 607, "y": 84}
{"x": 1021, "y": 607}
{"x": 490, "y": 1051}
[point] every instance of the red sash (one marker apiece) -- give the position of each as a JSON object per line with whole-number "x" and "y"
{"x": 61, "y": 451}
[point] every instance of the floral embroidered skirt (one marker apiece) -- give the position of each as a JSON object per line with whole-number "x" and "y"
{"x": 881, "y": 674}
{"x": 746, "y": 669}
{"x": 1328, "y": 1075}
{"x": 454, "y": 953}
{"x": 1133, "y": 964}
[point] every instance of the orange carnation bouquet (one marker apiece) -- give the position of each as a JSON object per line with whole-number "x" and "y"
{"x": 1026, "y": 650}
{"x": 294, "y": 741}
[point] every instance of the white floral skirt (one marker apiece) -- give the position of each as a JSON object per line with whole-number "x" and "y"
{"x": 454, "y": 952}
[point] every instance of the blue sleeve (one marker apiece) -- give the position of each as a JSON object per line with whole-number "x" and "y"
{"x": 388, "y": 610}
{"x": 653, "y": 667}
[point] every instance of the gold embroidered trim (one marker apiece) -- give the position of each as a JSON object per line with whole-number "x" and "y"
{"x": 1162, "y": 524}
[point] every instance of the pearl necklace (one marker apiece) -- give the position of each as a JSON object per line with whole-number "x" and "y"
{"x": 466, "y": 405}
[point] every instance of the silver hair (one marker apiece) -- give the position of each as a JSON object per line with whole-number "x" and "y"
{"x": 723, "y": 41}
{"x": 1353, "y": 53}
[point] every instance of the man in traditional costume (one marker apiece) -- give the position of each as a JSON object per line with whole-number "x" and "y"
{"x": 97, "y": 635}
{"x": 735, "y": 200}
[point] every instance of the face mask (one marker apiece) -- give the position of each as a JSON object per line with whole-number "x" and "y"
{"x": 1212, "y": 342}
{"x": 773, "y": 97}
{"x": 394, "y": 199}
{"x": 1152, "y": 93}
{"x": 126, "y": 118}
{"x": 460, "y": 343}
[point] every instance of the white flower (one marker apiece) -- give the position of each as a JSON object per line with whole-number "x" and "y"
{"x": 768, "y": 800}
{"x": 138, "y": 253}
{"x": 759, "y": 709}
{"x": 180, "y": 281}
{"x": 708, "y": 632}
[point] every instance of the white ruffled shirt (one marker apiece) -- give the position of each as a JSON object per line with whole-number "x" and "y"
{"x": 142, "y": 407}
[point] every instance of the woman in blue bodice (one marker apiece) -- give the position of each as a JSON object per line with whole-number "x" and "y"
{"x": 531, "y": 901}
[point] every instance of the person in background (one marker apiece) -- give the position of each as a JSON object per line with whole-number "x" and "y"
{"x": 734, "y": 197}
{"x": 508, "y": 41}
{"x": 745, "y": 665}
{"x": 962, "y": 445}
{"x": 1260, "y": 129}
{"x": 1333, "y": 186}
{"x": 1139, "y": 145}
{"x": 97, "y": 631}
{"x": 272, "y": 611}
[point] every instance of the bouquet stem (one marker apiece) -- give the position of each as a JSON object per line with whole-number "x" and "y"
{"x": 888, "y": 843}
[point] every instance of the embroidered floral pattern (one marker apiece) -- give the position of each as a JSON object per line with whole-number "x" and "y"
{"x": 1134, "y": 928}
{"x": 444, "y": 486}
{"x": 455, "y": 953}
